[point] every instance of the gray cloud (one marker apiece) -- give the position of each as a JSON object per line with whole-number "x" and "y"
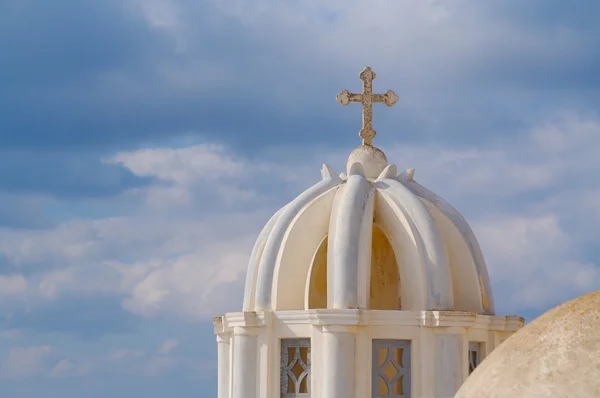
{"x": 57, "y": 173}
{"x": 156, "y": 68}
{"x": 88, "y": 319}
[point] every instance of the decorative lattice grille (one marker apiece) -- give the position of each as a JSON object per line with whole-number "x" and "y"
{"x": 295, "y": 368}
{"x": 391, "y": 369}
{"x": 474, "y": 355}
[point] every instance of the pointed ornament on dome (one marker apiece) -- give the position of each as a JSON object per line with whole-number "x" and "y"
{"x": 367, "y": 98}
{"x": 327, "y": 173}
{"x": 389, "y": 172}
{"x": 407, "y": 175}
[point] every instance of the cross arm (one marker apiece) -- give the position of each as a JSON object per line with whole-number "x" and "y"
{"x": 345, "y": 97}
{"x": 389, "y": 98}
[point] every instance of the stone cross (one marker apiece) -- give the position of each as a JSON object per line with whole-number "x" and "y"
{"x": 367, "y": 98}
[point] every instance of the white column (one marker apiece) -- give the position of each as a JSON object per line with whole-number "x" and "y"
{"x": 244, "y": 362}
{"x": 339, "y": 361}
{"x": 223, "y": 367}
{"x": 448, "y": 364}
{"x": 423, "y": 382}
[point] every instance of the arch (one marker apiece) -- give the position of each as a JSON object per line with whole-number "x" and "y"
{"x": 470, "y": 240}
{"x": 255, "y": 256}
{"x": 316, "y": 288}
{"x": 302, "y": 239}
{"x": 426, "y": 232}
{"x": 408, "y": 250}
{"x": 465, "y": 283}
{"x": 384, "y": 289}
{"x": 266, "y": 270}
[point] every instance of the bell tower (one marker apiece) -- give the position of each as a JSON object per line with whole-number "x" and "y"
{"x": 365, "y": 285}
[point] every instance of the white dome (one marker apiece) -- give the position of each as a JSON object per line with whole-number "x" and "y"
{"x": 369, "y": 243}
{"x": 556, "y": 355}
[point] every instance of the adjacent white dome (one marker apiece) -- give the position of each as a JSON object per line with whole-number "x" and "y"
{"x": 368, "y": 241}
{"x": 556, "y": 355}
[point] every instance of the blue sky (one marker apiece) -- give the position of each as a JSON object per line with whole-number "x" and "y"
{"x": 143, "y": 143}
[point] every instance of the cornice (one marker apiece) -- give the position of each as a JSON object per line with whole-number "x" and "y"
{"x": 367, "y": 318}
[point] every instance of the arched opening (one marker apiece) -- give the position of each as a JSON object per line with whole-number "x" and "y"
{"x": 385, "y": 278}
{"x": 317, "y": 290}
{"x": 466, "y": 286}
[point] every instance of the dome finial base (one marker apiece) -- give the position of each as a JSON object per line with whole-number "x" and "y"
{"x": 371, "y": 158}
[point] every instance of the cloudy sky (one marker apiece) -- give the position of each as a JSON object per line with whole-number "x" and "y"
{"x": 143, "y": 143}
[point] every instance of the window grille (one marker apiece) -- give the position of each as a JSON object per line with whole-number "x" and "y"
{"x": 474, "y": 355}
{"x": 295, "y": 368}
{"x": 391, "y": 369}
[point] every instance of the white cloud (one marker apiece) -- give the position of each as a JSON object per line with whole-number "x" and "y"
{"x": 179, "y": 266}
{"x": 98, "y": 278}
{"x": 23, "y": 362}
{"x": 207, "y": 162}
{"x": 534, "y": 200}
{"x": 69, "y": 368}
{"x": 11, "y": 285}
{"x": 136, "y": 361}
{"x": 191, "y": 263}
{"x": 210, "y": 169}
{"x": 87, "y": 241}
{"x": 125, "y": 353}
{"x": 525, "y": 254}
{"x": 163, "y": 15}
{"x": 191, "y": 286}
{"x": 560, "y": 153}
{"x": 11, "y": 334}
{"x": 54, "y": 281}
{"x": 40, "y": 361}
{"x": 168, "y": 346}
{"x": 420, "y": 45}
{"x": 161, "y": 365}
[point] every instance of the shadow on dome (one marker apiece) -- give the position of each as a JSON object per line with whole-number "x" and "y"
{"x": 384, "y": 292}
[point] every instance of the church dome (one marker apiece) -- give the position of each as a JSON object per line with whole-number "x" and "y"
{"x": 556, "y": 355}
{"x": 368, "y": 241}
{"x": 366, "y": 284}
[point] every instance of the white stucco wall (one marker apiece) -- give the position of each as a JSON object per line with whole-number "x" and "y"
{"x": 439, "y": 344}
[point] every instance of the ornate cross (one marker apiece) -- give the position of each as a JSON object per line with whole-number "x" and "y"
{"x": 367, "y": 98}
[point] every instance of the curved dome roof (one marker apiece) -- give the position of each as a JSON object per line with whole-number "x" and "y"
{"x": 329, "y": 247}
{"x": 556, "y": 355}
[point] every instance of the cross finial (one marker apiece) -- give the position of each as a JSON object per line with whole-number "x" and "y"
{"x": 367, "y": 98}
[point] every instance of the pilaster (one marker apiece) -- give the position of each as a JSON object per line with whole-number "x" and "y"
{"x": 245, "y": 356}
{"x": 338, "y": 329}
{"x": 223, "y": 357}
